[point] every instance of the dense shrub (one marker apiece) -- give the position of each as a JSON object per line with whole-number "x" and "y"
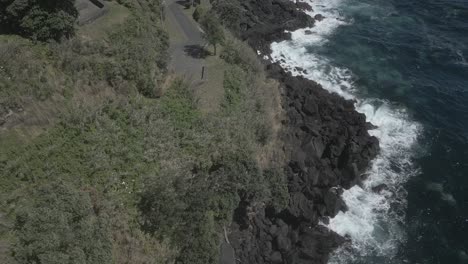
{"x": 230, "y": 13}
{"x": 198, "y": 13}
{"x": 38, "y": 19}
{"x": 61, "y": 225}
{"x": 238, "y": 53}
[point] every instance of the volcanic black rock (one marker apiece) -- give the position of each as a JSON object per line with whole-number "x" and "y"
{"x": 326, "y": 140}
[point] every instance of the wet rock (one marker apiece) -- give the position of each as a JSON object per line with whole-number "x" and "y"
{"x": 301, "y": 207}
{"x": 283, "y": 243}
{"x": 319, "y": 17}
{"x": 276, "y": 258}
{"x": 263, "y": 22}
{"x": 304, "y": 6}
{"x": 379, "y": 188}
{"x": 333, "y": 202}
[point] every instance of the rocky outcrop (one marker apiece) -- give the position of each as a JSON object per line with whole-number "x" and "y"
{"x": 261, "y": 22}
{"x": 328, "y": 146}
{"x": 303, "y": 6}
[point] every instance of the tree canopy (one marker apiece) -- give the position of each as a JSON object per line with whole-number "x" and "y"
{"x": 38, "y": 19}
{"x": 213, "y": 32}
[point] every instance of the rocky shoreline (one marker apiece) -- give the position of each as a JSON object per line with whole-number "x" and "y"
{"x": 326, "y": 141}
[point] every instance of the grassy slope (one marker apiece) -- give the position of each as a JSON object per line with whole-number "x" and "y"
{"x": 164, "y": 174}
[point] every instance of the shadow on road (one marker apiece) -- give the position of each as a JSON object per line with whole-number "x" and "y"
{"x": 196, "y": 51}
{"x": 184, "y": 3}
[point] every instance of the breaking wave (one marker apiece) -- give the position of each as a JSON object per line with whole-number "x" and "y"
{"x": 376, "y": 208}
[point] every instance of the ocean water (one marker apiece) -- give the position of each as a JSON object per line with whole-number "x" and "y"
{"x": 405, "y": 63}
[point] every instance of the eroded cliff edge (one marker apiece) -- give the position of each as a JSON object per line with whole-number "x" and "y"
{"x": 326, "y": 141}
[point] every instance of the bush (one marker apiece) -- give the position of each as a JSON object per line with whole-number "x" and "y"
{"x": 61, "y": 225}
{"x": 198, "y": 13}
{"x": 140, "y": 54}
{"x": 234, "y": 85}
{"x": 238, "y": 53}
{"x": 191, "y": 209}
{"x": 278, "y": 186}
{"x": 230, "y": 13}
{"x": 263, "y": 132}
{"x": 38, "y": 19}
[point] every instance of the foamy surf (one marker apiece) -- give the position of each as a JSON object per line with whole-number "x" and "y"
{"x": 376, "y": 209}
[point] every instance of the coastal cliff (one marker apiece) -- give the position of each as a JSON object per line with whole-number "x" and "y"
{"x": 325, "y": 139}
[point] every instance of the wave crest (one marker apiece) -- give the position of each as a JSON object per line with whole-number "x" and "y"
{"x": 376, "y": 209}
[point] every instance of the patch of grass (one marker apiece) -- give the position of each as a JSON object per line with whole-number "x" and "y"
{"x": 116, "y": 15}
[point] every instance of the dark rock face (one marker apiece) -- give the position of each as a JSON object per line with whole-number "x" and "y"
{"x": 261, "y": 22}
{"x": 329, "y": 149}
{"x": 272, "y": 240}
{"x": 303, "y": 6}
{"x": 328, "y": 146}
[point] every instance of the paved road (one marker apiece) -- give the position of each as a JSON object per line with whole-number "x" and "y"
{"x": 190, "y": 30}
{"x": 88, "y": 11}
{"x": 184, "y": 52}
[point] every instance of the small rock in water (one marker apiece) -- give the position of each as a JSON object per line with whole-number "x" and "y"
{"x": 299, "y": 69}
{"x": 319, "y": 17}
{"x": 308, "y": 32}
{"x": 379, "y": 188}
{"x": 371, "y": 126}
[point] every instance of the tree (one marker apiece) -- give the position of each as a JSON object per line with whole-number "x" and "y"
{"x": 213, "y": 32}
{"x": 61, "y": 225}
{"x": 38, "y": 19}
{"x": 199, "y": 13}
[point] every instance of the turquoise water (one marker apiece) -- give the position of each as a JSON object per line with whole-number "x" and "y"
{"x": 414, "y": 53}
{"x": 405, "y": 64}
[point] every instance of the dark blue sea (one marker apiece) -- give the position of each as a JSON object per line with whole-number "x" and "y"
{"x": 405, "y": 62}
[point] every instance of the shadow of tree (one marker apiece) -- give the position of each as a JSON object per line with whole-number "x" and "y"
{"x": 184, "y": 3}
{"x": 196, "y": 51}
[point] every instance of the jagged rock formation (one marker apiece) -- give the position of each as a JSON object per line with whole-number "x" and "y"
{"x": 327, "y": 142}
{"x": 261, "y": 22}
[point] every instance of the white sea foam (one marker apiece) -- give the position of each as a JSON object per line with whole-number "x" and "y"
{"x": 373, "y": 219}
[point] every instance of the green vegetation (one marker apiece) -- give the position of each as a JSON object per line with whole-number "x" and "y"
{"x": 127, "y": 57}
{"x": 59, "y": 224}
{"x": 128, "y": 172}
{"x": 213, "y": 32}
{"x": 230, "y": 13}
{"x": 199, "y": 13}
{"x": 38, "y": 19}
